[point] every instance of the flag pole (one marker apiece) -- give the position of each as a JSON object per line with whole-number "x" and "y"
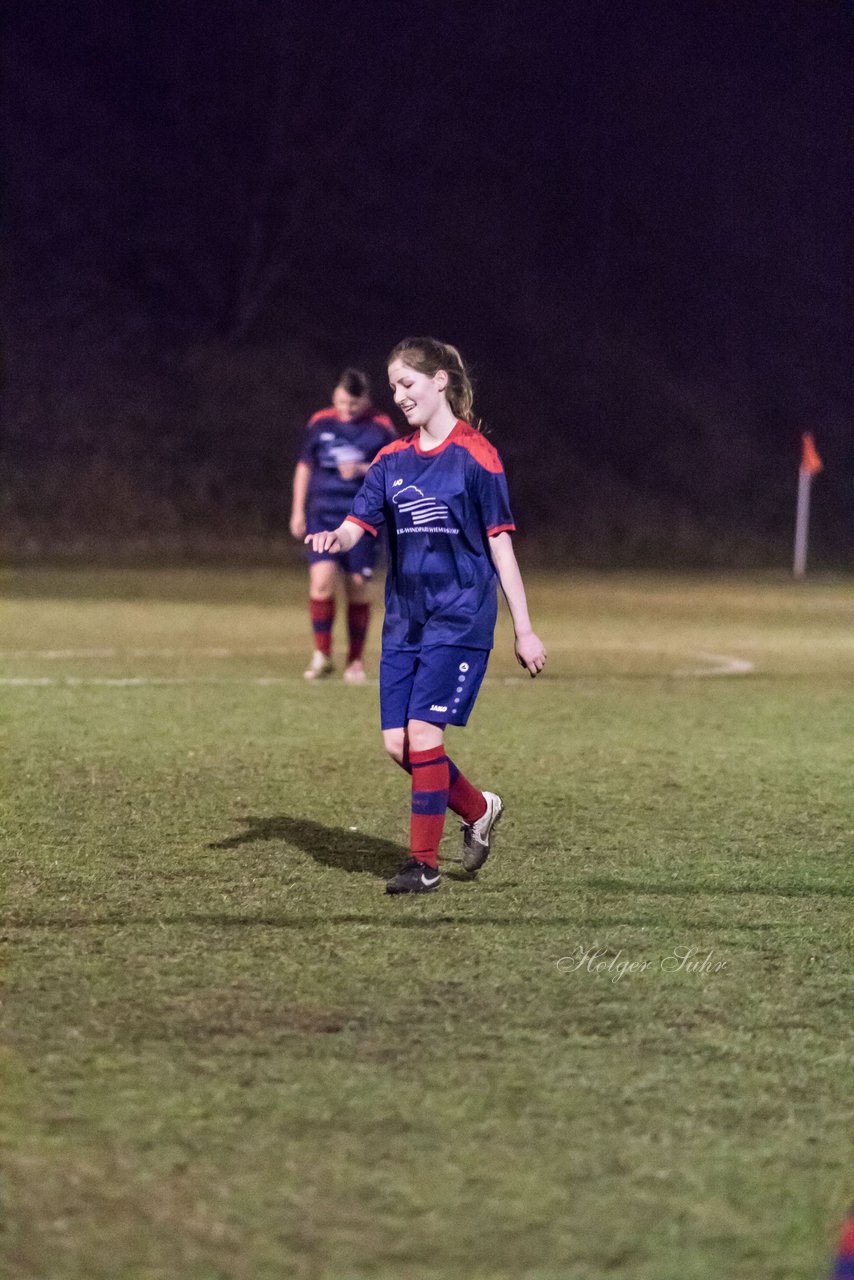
{"x": 802, "y": 523}
{"x": 811, "y": 464}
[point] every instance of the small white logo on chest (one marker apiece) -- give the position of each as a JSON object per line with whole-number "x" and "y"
{"x": 397, "y": 482}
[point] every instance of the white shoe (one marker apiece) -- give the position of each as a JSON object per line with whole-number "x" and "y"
{"x": 477, "y": 835}
{"x": 354, "y": 673}
{"x": 319, "y": 668}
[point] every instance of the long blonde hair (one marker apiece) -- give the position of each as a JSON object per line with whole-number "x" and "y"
{"x": 429, "y": 355}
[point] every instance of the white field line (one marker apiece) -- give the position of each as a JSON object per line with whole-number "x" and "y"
{"x": 716, "y": 664}
{"x": 129, "y": 682}
{"x": 719, "y": 664}
{"x": 266, "y": 651}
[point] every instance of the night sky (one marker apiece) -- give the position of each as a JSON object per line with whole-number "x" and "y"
{"x": 632, "y": 219}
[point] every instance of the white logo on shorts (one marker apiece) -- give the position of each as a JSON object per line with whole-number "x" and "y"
{"x": 435, "y": 708}
{"x": 464, "y": 666}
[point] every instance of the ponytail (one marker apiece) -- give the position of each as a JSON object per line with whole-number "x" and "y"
{"x": 428, "y": 355}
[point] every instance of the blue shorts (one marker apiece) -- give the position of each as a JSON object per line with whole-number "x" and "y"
{"x": 439, "y": 684}
{"x": 362, "y": 559}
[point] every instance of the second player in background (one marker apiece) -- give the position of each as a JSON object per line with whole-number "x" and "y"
{"x": 340, "y": 444}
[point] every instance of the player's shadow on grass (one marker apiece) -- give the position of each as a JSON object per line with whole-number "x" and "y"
{"x": 331, "y": 846}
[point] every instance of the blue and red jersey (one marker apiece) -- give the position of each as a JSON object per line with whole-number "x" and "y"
{"x": 329, "y": 442}
{"x": 439, "y": 508}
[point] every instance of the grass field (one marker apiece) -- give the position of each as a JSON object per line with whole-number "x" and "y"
{"x": 228, "y": 1054}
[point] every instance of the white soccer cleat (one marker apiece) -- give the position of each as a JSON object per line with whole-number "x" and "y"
{"x": 477, "y": 836}
{"x": 354, "y": 673}
{"x": 319, "y": 668}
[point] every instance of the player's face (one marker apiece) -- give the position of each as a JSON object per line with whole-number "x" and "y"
{"x": 348, "y": 407}
{"x": 418, "y": 395}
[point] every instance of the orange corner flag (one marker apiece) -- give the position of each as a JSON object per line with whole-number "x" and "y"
{"x": 811, "y": 463}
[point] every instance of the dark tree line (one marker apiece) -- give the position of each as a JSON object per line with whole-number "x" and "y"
{"x": 633, "y": 222}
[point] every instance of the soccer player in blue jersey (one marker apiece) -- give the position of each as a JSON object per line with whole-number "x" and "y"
{"x": 340, "y": 444}
{"x": 441, "y": 495}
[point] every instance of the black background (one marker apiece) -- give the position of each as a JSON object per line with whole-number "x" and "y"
{"x": 632, "y": 219}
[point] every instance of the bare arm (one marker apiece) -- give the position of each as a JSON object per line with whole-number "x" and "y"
{"x": 302, "y": 475}
{"x": 344, "y": 538}
{"x": 530, "y": 652}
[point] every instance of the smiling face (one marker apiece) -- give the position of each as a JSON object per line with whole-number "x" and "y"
{"x": 420, "y": 396}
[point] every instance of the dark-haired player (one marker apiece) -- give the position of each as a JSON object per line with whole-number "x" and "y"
{"x": 442, "y": 497}
{"x": 340, "y": 444}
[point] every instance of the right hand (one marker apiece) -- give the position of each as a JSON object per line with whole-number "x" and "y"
{"x": 328, "y": 540}
{"x": 297, "y": 525}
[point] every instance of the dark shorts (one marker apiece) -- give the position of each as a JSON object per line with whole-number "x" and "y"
{"x": 363, "y": 557}
{"x": 439, "y": 685}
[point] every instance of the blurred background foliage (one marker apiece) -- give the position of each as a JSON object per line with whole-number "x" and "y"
{"x": 633, "y": 223}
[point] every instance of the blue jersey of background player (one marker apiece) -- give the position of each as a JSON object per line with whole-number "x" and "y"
{"x": 442, "y": 497}
{"x": 340, "y": 444}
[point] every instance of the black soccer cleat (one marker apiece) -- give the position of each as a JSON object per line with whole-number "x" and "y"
{"x": 477, "y": 836}
{"x": 414, "y": 877}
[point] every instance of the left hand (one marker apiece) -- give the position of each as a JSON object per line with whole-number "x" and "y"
{"x": 530, "y": 652}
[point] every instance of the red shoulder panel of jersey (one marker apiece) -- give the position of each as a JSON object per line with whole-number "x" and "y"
{"x": 322, "y": 413}
{"x": 479, "y": 448}
{"x": 395, "y": 446}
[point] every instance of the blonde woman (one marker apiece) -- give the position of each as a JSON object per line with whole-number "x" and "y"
{"x": 441, "y": 495}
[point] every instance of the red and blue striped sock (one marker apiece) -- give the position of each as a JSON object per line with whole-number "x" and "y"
{"x": 463, "y": 799}
{"x": 358, "y": 617}
{"x": 429, "y": 802}
{"x": 322, "y": 614}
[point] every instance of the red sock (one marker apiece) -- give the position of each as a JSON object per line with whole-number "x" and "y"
{"x": 463, "y": 798}
{"x": 358, "y": 616}
{"x": 322, "y": 614}
{"x": 429, "y": 802}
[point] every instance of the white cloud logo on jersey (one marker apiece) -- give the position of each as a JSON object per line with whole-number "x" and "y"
{"x": 428, "y": 515}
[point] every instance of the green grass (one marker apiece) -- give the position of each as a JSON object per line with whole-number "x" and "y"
{"x": 226, "y": 1053}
